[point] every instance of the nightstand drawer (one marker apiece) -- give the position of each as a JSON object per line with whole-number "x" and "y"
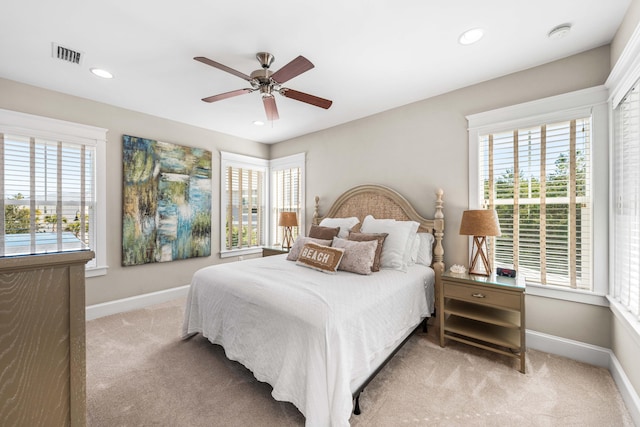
{"x": 483, "y": 295}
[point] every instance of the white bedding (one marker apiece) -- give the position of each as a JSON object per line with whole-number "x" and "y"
{"x": 306, "y": 333}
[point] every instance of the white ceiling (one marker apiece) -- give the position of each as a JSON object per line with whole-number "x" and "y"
{"x": 369, "y": 55}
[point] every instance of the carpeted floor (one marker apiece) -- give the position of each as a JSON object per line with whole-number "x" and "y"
{"x": 139, "y": 373}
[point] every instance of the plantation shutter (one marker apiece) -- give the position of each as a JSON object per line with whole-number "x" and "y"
{"x": 626, "y": 188}
{"x": 538, "y": 180}
{"x": 245, "y": 207}
{"x": 286, "y": 197}
{"x": 47, "y": 196}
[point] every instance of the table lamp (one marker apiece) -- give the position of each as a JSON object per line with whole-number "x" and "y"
{"x": 288, "y": 220}
{"x": 480, "y": 224}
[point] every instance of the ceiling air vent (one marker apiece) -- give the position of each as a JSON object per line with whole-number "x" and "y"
{"x": 66, "y": 54}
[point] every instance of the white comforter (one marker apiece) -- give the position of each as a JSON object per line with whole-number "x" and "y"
{"x": 306, "y": 333}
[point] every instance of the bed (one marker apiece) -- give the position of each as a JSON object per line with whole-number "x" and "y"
{"x": 316, "y": 338}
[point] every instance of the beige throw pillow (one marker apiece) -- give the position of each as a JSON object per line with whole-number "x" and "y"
{"x": 319, "y": 257}
{"x": 358, "y": 256}
{"x": 364, "y": 237}
{"x": 325, "y": 233}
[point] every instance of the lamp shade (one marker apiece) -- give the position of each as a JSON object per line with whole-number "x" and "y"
{"x": 288, "y": 219}
{"x": 480, "y": 222}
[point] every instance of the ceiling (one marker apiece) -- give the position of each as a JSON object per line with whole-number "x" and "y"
{"x": 369, "y": 55}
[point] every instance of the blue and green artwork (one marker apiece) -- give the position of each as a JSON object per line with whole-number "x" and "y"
{"x": 166, "y": 206}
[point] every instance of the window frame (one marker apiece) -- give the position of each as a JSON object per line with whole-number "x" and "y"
{"x": 587, "y": 102}
{"x": 622, "y": 78}
{"x": 267, "y": 166}
{"x": 246, "y": 162}
{"x": 288, "y": 162}
{"x": 17, "y": 123}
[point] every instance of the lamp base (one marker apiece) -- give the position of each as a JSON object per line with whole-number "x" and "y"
{"x": 287, "y": 242}
{"x": 479, "y": 253}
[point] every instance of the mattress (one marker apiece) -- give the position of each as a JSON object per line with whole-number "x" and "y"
{"x": 312, "y": 336}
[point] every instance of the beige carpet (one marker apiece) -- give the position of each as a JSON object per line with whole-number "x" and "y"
{"x": 139, "y": 373}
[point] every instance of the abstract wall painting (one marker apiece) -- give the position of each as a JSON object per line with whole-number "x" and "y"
{"x": 166, "y": 206}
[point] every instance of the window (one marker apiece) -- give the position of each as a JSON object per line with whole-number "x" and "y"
{"x": 287, "y": 193}
{"x": 626, "y": 202}
{"x": 254, "y": 193}
{"x": 543, "y": 166}
{"x": 538, "y": 179}
{"x": 51, "y": 187}
{"x": 244, "y": 180}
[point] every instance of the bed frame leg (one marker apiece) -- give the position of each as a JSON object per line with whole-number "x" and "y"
{"x": 356, "y": 409}
{"x": 425, "y": 328}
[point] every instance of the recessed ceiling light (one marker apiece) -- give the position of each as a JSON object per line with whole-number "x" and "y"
{"x": 101, "y": 73}
{"x": 560, "y": 31}
{"x": 471, "y": 36}
{"x": 258, "y": 123}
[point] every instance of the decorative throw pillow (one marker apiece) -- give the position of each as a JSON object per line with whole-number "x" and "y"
{"x": 345, "y": 224}
{"x": 358, "y": 256}
{"x": 325, "y": 233}
{"x": 294, "y": 253}
{"x": 364, "y": 237}
{"x": 396, "y": 251}
{"x": 319, "y": 257}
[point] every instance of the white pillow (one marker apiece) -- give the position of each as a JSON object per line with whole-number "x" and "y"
{"x": 422, "y": 251}
{"x": 345, "y": 224}
{"x": 396, "y": 250}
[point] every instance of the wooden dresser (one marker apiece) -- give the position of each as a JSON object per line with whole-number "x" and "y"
{"x": 486, "y": 312}
{"x": 42, "y": 340}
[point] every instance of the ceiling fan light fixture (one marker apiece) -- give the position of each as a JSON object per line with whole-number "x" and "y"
{"x": 268, "y": 82}
{"x": 258, "y": 122}
{"x": 471, "y": 36}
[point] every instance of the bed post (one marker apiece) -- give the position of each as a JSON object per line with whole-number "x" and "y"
{"x": 316, "y": 215}
{"x": 438, "y": 251}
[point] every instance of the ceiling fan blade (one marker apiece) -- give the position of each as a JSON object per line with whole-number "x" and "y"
{"x": 270, "y": 108}
{"x": 305, "y": 97}
{"x": 222, "y": 67}
{"x": 226, "y": 95}
{"x": 292, "y": 69}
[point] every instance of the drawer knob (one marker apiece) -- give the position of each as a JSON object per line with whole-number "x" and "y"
{"x": 478, "y": 295}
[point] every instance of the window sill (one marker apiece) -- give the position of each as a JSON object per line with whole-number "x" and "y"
{"x": 554, "y": 292}
{"x": 239, "y": 252}
{"x": 96, "y": 271}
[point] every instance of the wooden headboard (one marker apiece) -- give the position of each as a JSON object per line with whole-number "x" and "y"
{"x": 383, "y": 202}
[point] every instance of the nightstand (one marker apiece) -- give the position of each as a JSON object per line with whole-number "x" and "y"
{"x": 274, "y": 250}
{"x": 486, "y": 312}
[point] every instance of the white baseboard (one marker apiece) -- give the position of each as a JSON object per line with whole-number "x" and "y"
{"x": 626, "y": 389}
{"x": 594, "y": 355}
{"x": 133, "y": 303}
{"x": 576, "y": 350}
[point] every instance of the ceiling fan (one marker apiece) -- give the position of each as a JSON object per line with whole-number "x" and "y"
{"x": 268, "y": 83}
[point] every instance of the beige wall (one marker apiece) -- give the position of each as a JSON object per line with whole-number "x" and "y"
{"x": 121, "y": 282}
{"x": 625, "y": 31}
{"x": 626, "y": 346}
{"x": 423, "y": 146}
